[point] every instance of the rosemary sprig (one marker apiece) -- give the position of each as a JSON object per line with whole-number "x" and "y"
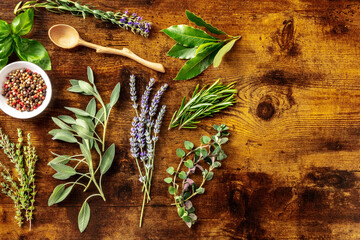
{"x": 22, "y": 193}
{"x": 209, "y": 152}
{"x": 202, "y": 104}
{"x": 128, "y": 22}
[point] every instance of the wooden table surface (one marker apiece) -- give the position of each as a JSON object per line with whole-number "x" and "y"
{"x": 293, "y": 156}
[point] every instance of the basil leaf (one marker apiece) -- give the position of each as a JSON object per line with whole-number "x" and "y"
{"x": 198, "y": 64}
{"x": 222, "y": 52}
{"x": 32, "y": 51}
{"x": 84, "y": 216}
{"x": 188, "y": 36}
{"x": 201, "y": 23}
{"x": 6, "y": 47}
{"x": 115, "y": 95}
{"x": 55, "y": 195}
{"x": 3, "y": 62}
{"x": 5, "y": 29}
{"x": 23, "y": 23}
{"x": 179, "y": 51}
{"x": 107, "y": 159}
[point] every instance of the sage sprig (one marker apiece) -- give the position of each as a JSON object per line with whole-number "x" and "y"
{"x": 202, "y": 104}
{"x": 122, "y": 19}
{"x": 209, "y": 152}
{"x": 23, "y": 191}
{"x": 196, "y": 45}
{"x": 145, "y": 133}
{"x": 82, "y": 131}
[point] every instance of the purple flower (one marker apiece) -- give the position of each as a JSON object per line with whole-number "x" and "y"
{"x": 123, "y": 20}
{"x": 133, "y": 91}
{"x": 126, "y": 12}
{"x": 156, "y": 100}
{"x": 159, "y": 119}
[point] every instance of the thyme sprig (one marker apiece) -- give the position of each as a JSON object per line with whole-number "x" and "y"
{"x": 83, "y": 131}
{"x": 122, "y": 19}
{"x": 22, "y": 191}
{"x": 203, "y": 103}
{"x": 211, "y": 153}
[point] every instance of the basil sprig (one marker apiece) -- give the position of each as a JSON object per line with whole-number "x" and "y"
{"x": 200, "y": 48}
{"x": 26, "y": 49}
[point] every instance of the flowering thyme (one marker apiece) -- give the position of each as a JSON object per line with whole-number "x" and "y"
{"x": 144, "y": 134}
{"x": 22, "y": 192}
{"x": 124, "y": 20}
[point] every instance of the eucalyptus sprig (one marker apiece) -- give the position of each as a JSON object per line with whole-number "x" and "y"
{"x": 202, "y": 104}
{"x": 122, "y": 19}
{"x": 23, "y": 191}
{"x": 209, "y": 152}
{"x": 196, "y": 45}
{"x": 83, "y": 131}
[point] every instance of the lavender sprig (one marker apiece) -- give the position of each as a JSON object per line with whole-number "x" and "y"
{"x": 144, "y": 134}
{"x": 124, "y": 20}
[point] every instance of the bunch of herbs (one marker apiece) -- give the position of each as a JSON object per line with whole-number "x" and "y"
{"x": 83, "y": 131}
{"x": 23, "y": 191}
{"x": 209, "y": 152}
{"x": 203, "y": 103}
{"x": 26, "y": 49}
{"x": 198, "y": 46}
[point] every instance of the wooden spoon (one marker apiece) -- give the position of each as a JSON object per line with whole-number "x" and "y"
{"x": 66, "y": 36}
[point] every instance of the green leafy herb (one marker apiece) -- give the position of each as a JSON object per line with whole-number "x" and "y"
{"x": 203, "y": 103}
{"x": 83, "y": 131}
{"x": 196, "y": 45}
{"x": 23, "y": 192}
{"x": 122, "y": 19}
{"x": 210, "y": 153}
{"x": 26, "y": 49}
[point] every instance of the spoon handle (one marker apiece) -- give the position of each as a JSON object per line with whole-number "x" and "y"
{"x": 126, "y": 53}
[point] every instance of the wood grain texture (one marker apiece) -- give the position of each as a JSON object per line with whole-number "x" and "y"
{"x": 292, "y": 170}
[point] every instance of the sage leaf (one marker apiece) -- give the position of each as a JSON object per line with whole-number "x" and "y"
{"x": 61, "y": 124}
{"x": 78, "y": 111}
{"x": 91, "y": 107}
{"x": 201, "y": 23}
{"x": 171, "y": 190}
{"x": 82, "y": 132}
{"x": 61, "y": 176}
{"x": 3, "y": 62}
{"x": 67, "y": 119}
{"x": 32, "y": 51}
{"x": 84, "y": 216}
{"x": 6, "y": 47}
{"x": 86, "y": 87}
{"x": 189, "y": 163}
{"x": 182, "y": 175}
{"x": 115, "y": 95}
{"x": 199, "y": 63}
{"x": 86, "y": 152}
{"x": 170, "y": 170}
{"x": 200, "y": 190}
{"x": 168, "y": 180}
{"x": 107, "y": 159}
{"x": 63, "y": 135}
{"x": 182, "y": 52}
{"x": 205, "y": 139}
{"x": 55, "y": 195}
{"x": 180, "y": 153}
{"x": 63, "y": 159}
{"x": 64, "y": 169}
{"x": 222, "y": 52}
{"x": 82, "y": 123}
{"x": 75, "y": 89}
{"x": 188, "y": 145}
{"x": 188, "y": 36}
{"x": 88, "y": 120}
{"x": 90, "y": 74}
{"x": 23, "y": 23}
{"x": 5, "y": 30}
{"x": 64, "y": 194}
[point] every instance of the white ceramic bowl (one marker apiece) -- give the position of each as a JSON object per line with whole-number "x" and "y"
{"x": 34, "y": 68}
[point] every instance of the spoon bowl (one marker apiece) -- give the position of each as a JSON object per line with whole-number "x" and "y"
{"x": 64, "y": 36}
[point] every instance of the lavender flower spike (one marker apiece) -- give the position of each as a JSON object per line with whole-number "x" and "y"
{"x": 156, "y": 100}
{"x": 133, "y": 91}
{"x": 159, "y": 119}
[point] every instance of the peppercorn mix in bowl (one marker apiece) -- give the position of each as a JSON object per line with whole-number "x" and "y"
{"x": 25, "y": 90}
